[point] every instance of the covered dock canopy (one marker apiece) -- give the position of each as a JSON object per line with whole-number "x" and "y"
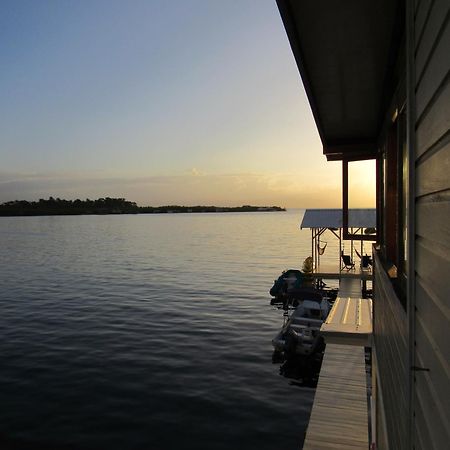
{"x": 361, "y": 221}
{"x": 332, "y": 218}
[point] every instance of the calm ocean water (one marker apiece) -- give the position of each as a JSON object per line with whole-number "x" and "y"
{"x": 147, "y": 332}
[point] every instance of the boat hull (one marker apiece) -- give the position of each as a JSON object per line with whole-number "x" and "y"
{"x": 301, "y": 333}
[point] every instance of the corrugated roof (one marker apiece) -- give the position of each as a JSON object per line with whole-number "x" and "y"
{"x": 332, "y": 218}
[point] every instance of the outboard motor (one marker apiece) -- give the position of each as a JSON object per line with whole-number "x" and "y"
{"x": 291, "y": 340}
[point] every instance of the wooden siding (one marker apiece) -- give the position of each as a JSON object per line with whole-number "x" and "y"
{"x": 432, "y": 246}
{"x": 431, "y": 54}
{"x": 437, "y": 231}
{"x": 391, "y": 342}
{"x": 433, "y": 173}
{"x": 435, "y": 122}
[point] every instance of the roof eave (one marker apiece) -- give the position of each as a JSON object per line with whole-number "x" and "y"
{"x": 348, "y": 114}
{"x": 294, "y": 39}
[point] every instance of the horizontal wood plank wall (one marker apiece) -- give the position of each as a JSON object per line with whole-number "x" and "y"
{"x": 432, "y": 322}
{"x": 391, "y": 342}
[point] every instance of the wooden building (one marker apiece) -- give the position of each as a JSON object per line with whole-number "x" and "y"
{"x": 378, "y": 81}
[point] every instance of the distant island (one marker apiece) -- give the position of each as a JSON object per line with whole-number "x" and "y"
{"x": 57, "y": 206}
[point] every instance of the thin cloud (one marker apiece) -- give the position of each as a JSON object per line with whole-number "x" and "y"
{"x": 195, "y": 172}
{"x": 284, "y": 189}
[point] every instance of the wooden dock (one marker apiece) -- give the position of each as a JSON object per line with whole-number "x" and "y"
{"x": 339, "y": 417}
{"x": 350, "y": 288}
{"x": 334, "y": 272}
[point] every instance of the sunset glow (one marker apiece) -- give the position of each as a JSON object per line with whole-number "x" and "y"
{"x": 159, "y": 103}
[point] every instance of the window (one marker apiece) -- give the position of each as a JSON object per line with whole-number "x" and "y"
{"x": 394, "y": 205}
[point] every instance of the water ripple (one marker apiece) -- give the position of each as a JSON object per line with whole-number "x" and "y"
{"x": 146, "y": 332}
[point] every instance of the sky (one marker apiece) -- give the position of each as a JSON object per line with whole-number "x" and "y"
{"x": 182, "y": 102}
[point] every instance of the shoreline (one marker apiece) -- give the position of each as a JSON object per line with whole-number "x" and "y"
{"x": 107, "y": 206}
{"x": 117, "y": 213}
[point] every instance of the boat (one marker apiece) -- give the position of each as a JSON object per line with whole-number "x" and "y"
{"x": 293, "y": 286}
{"x": 286, "y": 283}
{"x": 301, "y": 332}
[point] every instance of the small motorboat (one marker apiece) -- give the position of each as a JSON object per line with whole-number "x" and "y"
{"x": 292, "y": 287}
{"x": 288, "y": 281}
{"x": 301, "y": 332}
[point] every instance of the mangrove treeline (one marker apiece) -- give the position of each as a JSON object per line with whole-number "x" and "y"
{"x": 57, "y": 206}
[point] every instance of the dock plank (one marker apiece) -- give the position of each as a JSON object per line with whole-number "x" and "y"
{"x": 339, "y": 417}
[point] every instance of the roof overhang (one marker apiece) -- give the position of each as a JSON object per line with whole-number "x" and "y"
{"x": 332, "y": 218}
{"x": 346, "y": 53}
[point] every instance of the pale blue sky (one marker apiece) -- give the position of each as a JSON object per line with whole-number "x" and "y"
{"x": 194, "y": 101}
